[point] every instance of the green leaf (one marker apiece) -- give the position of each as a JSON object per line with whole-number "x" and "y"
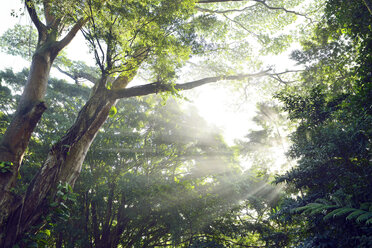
{"x": 113, "y": 111}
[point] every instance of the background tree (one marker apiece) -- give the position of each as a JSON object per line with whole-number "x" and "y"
{"x": 333, "y": 137}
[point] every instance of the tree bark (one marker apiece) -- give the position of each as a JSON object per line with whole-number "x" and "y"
{"x": 17, "y": 136}
{"x": 63, "y": 164}
{"x": 30, "y": 108}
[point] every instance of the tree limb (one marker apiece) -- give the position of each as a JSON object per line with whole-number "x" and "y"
{"x": 223, "y": 11}
{"x": 50, "y": 19}
{"x": 263, "y": 2}
{"x": 243, "y": 27}
{"x": 218, "y": 1}
{"x": 158, "y": 87}
{"x": 76, "y": 75}
{"x": 71, "y": 34}
{"x": 30, "y": 6}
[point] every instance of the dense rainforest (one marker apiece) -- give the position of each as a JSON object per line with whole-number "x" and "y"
{"x": 109, "y": 152}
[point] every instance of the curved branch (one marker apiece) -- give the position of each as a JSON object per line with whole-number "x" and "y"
{"x": 218, "y": 1}
{"x": 30, "y": 6}
{"x": 263, "y": 2}
{"x": 76, "y": 75}
{"x": 158, "y": 87}
{"x": 223, "y": 11}
{"x": 71, "y": 34}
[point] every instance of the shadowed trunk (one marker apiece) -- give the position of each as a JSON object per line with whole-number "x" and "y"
{"x": 17, "y": 136}
{"x": 63, "y": 164}
{"x": 29, "y": 111}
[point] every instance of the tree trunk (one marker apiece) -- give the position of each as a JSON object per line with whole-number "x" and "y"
{"x": 17, "y": 136}
{"x": 63, "y": 164}
{"x": 106, "y": 229}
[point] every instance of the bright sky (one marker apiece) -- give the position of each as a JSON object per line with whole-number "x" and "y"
{"x": 216, "y": 104}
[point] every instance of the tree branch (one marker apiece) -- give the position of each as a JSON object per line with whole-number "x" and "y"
{"x": 218, "y": 1}
{"x": 263, "y": 2}
{"x": 76, "y": 75}
{"x": 30, "y": 6}
{"x": 223, "y": 11}
{"x": 71, "y": 34}
{"x": 368, "y": 4}
{"x": 243, "y": 27}
{"x": 50, "y": 19}
{"x": 158, "y": 87}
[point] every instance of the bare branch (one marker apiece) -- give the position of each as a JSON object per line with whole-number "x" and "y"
{"x": 90, "y": 39}
{"x": 263, "y": 2}
{"x": 30, "y": 6}
{"x": 243, "y": 27}
{"x": 66, "y": 73}
{"x": 78, "y": 75}
{"x": 223, "y": 11}
{"x": 277, "y": 76}
{"x": 159, "y": 87}
{"x": 219, "y": 1}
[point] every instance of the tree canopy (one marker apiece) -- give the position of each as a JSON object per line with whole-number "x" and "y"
{"x": 79, "y": 168}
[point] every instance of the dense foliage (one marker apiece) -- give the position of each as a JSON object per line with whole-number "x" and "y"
{"x": 159, "y": 175}
{"x": 331, "y": 185}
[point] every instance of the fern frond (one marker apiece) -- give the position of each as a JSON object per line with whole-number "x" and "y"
{"x": 354, "y": 214}
{"x": 338, "y": 212}
{"x": 313, "y": 208}
{"x": 364, "y": 217}
{"x": 367, "y": 206}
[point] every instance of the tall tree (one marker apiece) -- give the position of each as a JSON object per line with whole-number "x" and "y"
{"x": 332, "y": 108}
{"x": 123, "y": 36}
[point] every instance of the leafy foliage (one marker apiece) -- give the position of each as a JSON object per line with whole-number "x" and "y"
{"x": 333, "y": 139}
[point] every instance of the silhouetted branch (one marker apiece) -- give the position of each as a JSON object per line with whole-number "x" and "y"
{"x": 159, "y": 87}
{"x": 30, "y": 6}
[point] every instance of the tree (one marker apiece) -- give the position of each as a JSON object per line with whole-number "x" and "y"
{"x": 158, "y": 32}
{"x": 190, "y": 186}
{"x": 332, "y": 108}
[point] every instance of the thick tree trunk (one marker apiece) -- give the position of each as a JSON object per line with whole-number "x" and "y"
{"x": 17, "y": 136}
{"x": 31, "y": 106}
{"x": 63, "y": 164}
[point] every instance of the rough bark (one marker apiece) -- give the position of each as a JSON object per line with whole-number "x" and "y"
{"x": 63, "y": 164}
{"x": 30, "y": 108}
{"x": 17, "y": 136}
